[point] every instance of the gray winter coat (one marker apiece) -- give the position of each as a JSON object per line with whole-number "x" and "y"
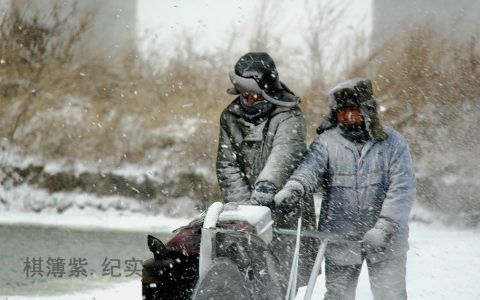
{"x": 269, "y": 151}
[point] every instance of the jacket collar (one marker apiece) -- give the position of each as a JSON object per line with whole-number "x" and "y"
{"x": 351, "y": 145}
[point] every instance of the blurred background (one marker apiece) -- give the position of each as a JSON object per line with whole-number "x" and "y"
{"x": 114, "y": 105}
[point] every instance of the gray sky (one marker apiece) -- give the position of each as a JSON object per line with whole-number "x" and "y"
{"x": 211, "y": 21}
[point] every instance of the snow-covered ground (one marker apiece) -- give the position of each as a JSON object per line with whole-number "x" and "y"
{"x": 95, "y": 220}
{"x": 443, "y": 262}
{"x": 18, "y": 203}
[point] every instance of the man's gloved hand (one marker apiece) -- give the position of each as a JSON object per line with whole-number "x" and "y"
{"x": 377, "y": 238}
{"x": 263, "y": 194}
{"x": 289, "y": 194}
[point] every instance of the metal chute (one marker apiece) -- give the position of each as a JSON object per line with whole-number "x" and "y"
{"x": 221, "y": 281}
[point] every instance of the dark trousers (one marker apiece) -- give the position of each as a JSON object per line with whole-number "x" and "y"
{"x": 387, "y": 279}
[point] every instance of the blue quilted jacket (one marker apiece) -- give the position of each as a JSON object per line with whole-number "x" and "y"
{"x": 359, "y": 189}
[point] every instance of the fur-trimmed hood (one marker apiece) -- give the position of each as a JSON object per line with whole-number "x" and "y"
{"x": 366, "y": 102}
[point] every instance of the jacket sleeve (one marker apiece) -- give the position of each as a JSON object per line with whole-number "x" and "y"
{"x": 230, "y": 176}
{"x": 402, "y": 186}
{"x": 311, "y": 171}
{"x": 288, "y": 148}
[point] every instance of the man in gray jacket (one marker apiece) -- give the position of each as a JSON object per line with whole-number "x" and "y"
{"x": 368, "y": 183}
{"x": 262, "y": 140}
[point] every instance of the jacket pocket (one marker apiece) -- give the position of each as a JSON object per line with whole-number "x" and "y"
{"x": 343, "y": 180}
{"x": 372, "y": 189}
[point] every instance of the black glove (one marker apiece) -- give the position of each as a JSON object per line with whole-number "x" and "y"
{"x": 290, "y": 194}
{"x": 263, "y": 194}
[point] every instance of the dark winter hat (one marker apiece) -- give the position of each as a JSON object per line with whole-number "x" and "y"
{"x": 343, "y": 97}
{"x": 255, "y": 72}
{"x": 354, "y": 92}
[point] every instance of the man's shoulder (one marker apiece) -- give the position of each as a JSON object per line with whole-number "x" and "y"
{"x": 395, "y": 138}
{"x": 328, "y": 134}
{"x": 283, "y": 113}
{"x": 231, "y": 112}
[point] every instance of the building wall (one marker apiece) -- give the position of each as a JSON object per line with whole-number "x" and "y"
{"x": 111, "y": 34}
{"x": 458, "y": 19}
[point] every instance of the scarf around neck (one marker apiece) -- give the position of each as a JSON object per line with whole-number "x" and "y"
{"x": 256, "y": 113}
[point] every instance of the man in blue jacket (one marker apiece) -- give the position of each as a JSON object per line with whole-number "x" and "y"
{"x": 369, "y": 185}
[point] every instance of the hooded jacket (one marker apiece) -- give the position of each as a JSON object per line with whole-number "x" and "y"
{"x": 360, "y": 189}
{"x": 249, "y": 153}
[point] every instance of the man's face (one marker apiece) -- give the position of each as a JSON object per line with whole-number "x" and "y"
{"x": 253, "y": 98}
{"x": 350, "y": 116}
